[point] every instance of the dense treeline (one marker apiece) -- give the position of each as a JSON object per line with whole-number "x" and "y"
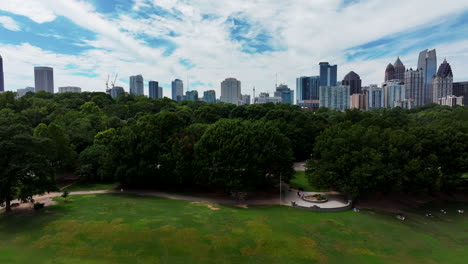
{"x": 153, "y": 143}
{"x": 423, "y": 150}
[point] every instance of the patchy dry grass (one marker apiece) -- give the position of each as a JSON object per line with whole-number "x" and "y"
{"x": 119, "y": 228}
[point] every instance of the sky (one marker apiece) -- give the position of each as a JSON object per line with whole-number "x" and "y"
{"x": 206, "y": 41}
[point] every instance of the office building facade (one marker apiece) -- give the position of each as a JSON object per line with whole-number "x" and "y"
{"x": 358, "y": 101}
{"x": 137, "y": 85}
{"x": 231, "y": 91}
{"x": 69, "y": 89}
{"x": 394, "y": 93}
{"x": 414, "y": 85}
{"x": 246, "y": 99}
{"x": 451, "y": 100}
{"x": 24, "y": 91}
{"x": 264, "y": 98}
{"x": 335, "y": 97}
{"x": 395, "y": 71}
{"x": 461, "y": 89}
{"x": 116, "y": 91}
{"x": 286, "y": 94}
{"x": 44, "y": 79}
{"x": 209, "y": 96}
{"x": 155, "y": 91}
{"x": 328, "y": 74}
{"x": 442, "y": 83}
{"x": 191, "y": 95}
{"x": 177, "y": 87}
{"x": 427, "y": 63}
{"x": 353, "y": 80}
{"x": 375, "y": 97}
{"x": 308, "y": 91}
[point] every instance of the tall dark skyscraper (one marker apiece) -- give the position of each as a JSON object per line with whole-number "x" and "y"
{"x": 442, "y": 83}
{"x": 154, "y": 90}
{"x": 2, "y": 81}
{"x": 307, "y": 88}
{"x": 44, "y": 79}
{"x": 399, "y": 70}
{"x": 328, "y": 74}
{"x": 428, "y": 63}
{"x": 177, "y": 90}
{"x": 389, "y": 72}
{"x": 354, "y": 82}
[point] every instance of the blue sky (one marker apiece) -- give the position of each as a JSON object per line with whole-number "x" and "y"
{"x": 206, "y": 41}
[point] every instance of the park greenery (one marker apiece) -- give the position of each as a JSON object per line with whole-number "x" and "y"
{"x": 156, "y": 143}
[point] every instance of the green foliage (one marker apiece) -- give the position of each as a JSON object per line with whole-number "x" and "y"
{"x": 391, "y": 151}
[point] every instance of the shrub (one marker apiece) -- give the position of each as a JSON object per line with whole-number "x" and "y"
{"x": 38, "y": 206}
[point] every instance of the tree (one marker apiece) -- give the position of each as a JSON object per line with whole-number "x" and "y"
{"x": 243, "y": 155}
{"x": 26, "y": 165}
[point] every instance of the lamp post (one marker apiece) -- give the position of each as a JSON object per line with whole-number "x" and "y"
{"x": 280, "y": 189}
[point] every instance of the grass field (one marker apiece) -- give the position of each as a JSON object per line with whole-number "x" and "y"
{"x": 83, "y": 186}
{"x": 300, "y": 181}
{"x": 117, "y": 228}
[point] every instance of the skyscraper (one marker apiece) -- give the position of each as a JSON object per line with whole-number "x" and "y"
{"x": 231, "y": 91}
{"x": 442, "y": 83}
{"x": 389, "y": 72}
{"x": 209, "y": 96}
{"x": 399, "y": 70}
{"x": 177, "y": 90}
{"x": 191, "y": 95}
{"x": 286, "y": 94}
{"x": 116, "y": 91}
{"x": 334, "y": 97}
{"x": 154, "y": 90}
{"x": 414, "y": 85}
{"x": 375, "y": 97}
{"x": 328, "y": 74}
{"x": 461, "y": 89}
{"x": 394, "y": 93}
{"x": 308, "y": 91}
{"x": 137, "y": 85}
{"x": 428, "y": 63}
{"x": 358, "y": 101}
{"x": 44, "y": 79}
{"x": 245, "y": 99}
{"x": 354, "y": 81}
{"x": 2, "y": 81}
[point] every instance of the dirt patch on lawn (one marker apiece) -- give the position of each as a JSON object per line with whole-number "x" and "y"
{"x": 208, "y": 205}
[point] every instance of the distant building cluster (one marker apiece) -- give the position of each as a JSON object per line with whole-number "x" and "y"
{"x": 402, "y": 87}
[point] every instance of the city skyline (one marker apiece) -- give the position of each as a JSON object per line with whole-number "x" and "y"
{"x": 207, "y": 41}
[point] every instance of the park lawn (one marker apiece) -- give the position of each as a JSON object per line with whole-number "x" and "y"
{"x": 84, "y": 186}
{"x": 121, "y": 228}
{"x": 300, "y": 181}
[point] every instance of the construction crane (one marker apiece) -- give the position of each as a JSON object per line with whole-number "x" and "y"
{"x": 107, "y": 84}
{"x": 115, "y": 79}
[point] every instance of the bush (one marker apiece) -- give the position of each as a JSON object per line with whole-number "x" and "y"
{"x": 38, "y": 206}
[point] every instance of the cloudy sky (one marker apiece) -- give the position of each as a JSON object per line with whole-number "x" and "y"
{"x": 206, "y": 41}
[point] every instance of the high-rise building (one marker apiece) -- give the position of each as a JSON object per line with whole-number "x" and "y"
{"x": 307, "y": 90}
{"x": 44, "y": 79}
{"x": 69, "y": 89}
{"x": 335, "y": 97}
{"x": 414, "y": 85}
{"x": 116, "y": 91}
{"x": 286, "y": 94}
{"x": 399, "y": 70}
{"x": 353, "y": 80}
{"x": 209, "y": 96}
{"x": 375, "y": 97}
{"x": 2, "y": 80}
{"x": 442, "y": 83}
{"x": 427, "y": 63}
{"x": 191, "y": 95}
{"x": 394, "y": 93}
{"x": 389, "y": 72}
{"x": 154, "y": 90}
{"x": 245, "y": 99}
{"x": 461, "y": 89}
{"x": 24, "y": 91}
{"x": 328, "y": 74}
{"x": 177, "y": 90}
{"x": 358, "y": 101}
{"x": 264, "y": 98}
{"x": 230, "y": 91}
{"x": 451, "y": 100}
{"x": 137, "y": 85}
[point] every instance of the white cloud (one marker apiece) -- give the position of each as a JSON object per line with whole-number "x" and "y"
{"x": 9, "y": 23}
{"x": 310, "y": 30}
